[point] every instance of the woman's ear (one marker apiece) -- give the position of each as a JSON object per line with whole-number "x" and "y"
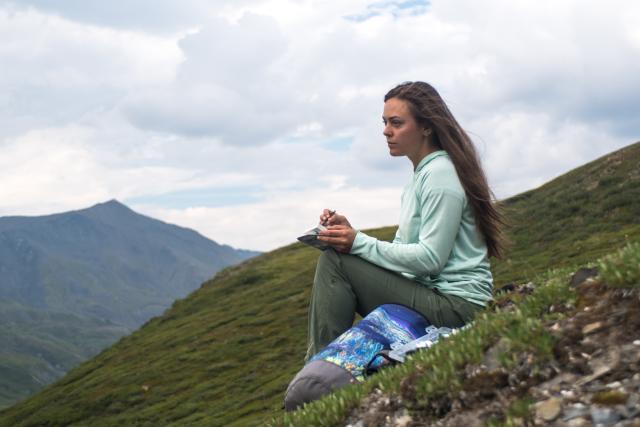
{"x": 427, "y": 132}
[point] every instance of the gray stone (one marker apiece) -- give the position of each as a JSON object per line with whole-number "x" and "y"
{"x": 578, "y": 422}
{"x": 574, "y": 411}
{"x": 633, "y": 401}
{"x": 605, "y": 416}
{"x": 491, "y": 359}
{"x": 622, "y": 411}
{"x": 580, "y": 276}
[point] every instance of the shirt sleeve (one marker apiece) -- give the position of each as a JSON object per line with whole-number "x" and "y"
{"x": 440, "y": 218}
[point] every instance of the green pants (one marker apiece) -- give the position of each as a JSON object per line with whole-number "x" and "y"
{"x": 346, "y": 284}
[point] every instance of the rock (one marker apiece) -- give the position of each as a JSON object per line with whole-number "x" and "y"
{"x": 491, "y": 359}
{"x": 592, "y": 327}
{"x": 575, "y": 411}
{"x": 633, "y": 401}
{"x": 597, "y": 373}
{"x": 606, "y": 416}
{"x": 549, "y": 409}
{"x": 509, "y": 287}
{"x": 580, "y": 276}
{"x": 633, "y": 406}
{"x": 622, "y": 411}
{"x": 601, "y": 365}
{"x": 404, "y": 421}
{"x": 578, "y": 422}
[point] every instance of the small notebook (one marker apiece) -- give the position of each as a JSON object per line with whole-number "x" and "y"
{"x": 310, "y": 237}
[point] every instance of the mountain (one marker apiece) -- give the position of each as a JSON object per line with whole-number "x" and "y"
{"x": 225, "y": 354}
{"x": 73, "y": 283}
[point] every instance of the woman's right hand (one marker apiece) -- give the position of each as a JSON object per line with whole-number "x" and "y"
{"x": 329, "y": 217}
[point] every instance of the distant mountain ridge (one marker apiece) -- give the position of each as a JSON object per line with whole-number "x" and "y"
{"x": 101, "y": 272}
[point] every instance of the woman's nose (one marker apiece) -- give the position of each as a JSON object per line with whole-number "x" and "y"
{"x": 386, "y": 131}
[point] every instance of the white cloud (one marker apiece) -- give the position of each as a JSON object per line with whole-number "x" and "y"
{"x": 283, "y": 216}
{"x": 280, "y": 101}
{"x": 56, "y": 71}
{"x": 523, "y": 151}
{"x": 58, "y": 169}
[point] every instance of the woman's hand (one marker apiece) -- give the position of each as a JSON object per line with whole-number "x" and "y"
{"x": 340, "y": 237}
{"x": 329, "y": 217}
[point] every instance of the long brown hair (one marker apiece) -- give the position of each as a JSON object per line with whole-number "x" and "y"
{"x": 430, "y": 111}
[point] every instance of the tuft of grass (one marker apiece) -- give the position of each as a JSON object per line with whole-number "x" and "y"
{"x": 623, "y": 268}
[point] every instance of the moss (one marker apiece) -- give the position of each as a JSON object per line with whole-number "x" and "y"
{"x": 610, "y": 397}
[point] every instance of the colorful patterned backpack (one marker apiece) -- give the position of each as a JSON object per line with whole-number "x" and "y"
{"x": 384, "y": 336}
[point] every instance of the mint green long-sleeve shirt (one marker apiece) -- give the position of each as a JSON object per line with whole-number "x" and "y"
{"x": 437, "y": 242}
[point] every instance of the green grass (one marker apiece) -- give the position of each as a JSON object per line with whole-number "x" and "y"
{"x": 225, "y": 354}
{"x": 576, "y": 218}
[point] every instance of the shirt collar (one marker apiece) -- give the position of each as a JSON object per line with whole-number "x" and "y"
{"x": 428, "y": 158}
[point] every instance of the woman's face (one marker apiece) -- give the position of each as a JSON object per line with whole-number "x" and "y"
{"x": 404, "y": 136}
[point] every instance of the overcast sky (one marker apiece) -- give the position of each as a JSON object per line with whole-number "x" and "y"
{"x": 243, "y": 119}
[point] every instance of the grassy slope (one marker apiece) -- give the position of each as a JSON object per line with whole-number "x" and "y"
{"x": 38, "y": 346}
{"x": 224, "y": 355}
{"x": 576, "y": 218}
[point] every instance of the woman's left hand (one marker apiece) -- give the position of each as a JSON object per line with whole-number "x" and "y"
{"x": 340, "y": 237}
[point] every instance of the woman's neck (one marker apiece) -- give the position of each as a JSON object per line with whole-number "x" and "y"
{"x": 428, "y": 149}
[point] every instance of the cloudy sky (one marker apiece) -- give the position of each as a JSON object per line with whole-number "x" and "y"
{"x": 243, "y": 119}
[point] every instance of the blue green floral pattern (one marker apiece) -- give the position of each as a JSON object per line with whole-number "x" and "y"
{"x": 387, "y": 324}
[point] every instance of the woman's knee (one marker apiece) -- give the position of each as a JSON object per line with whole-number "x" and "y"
{"x": 329, "y": 259}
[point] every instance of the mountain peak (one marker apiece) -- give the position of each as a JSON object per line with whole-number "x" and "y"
{"x": 109, "y": 209}
{"x": 110, "y": 204}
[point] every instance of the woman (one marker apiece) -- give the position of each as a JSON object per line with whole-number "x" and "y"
{"x": 449, "y": 225}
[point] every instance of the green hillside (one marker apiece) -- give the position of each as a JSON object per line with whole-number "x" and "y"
{"x": 576, "y": 218}
{"x": 73, "y": 283}
{"x": 224, "y": 355}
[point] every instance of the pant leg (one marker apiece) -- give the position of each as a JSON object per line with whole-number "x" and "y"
{"x": 345, "y": 284}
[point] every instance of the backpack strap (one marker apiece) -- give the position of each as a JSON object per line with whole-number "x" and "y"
{"x": 370, "y": 369}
